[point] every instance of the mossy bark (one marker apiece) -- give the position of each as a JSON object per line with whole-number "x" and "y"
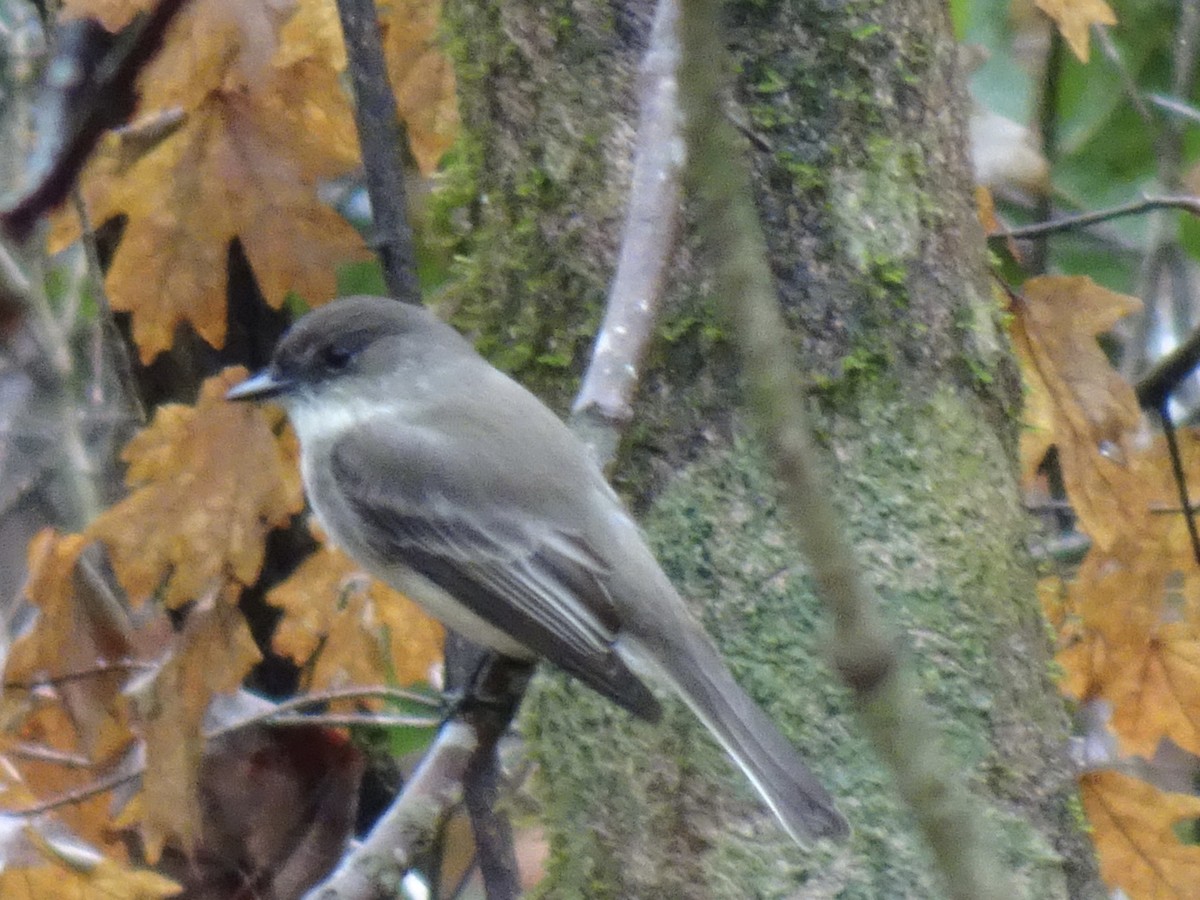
{"x": 855, "y": 116}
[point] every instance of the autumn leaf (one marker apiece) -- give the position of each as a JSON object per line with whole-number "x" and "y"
{"x": 1155, "y": 691}
{"x": 198, "y": 514}
{"x": 258, "y": 138}
{"x": 27, "y": 781}
{"x": 1133, "y": 830}
{"x": 422, "y": 78}
{"x": 1080, "y": 399}
{"x": 1075, "y": 18}
{"x": 349, "y": 629}
{"x": 265, "y": 120}
{"x": 71, "y": 871}
{"x": 1129, "y": 624}
{"x": 213, "y": 653}
{"x": 79, "y": 630}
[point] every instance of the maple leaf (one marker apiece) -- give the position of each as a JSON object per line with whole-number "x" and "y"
{"x": 199, "y": 514}
{"x": 1133, "y": 830}
{"x": 330, "y": 606}
{"x": 1155, "y": 690}
{"x": 1074, "y": 18}
{"x": 1091, "y": 410}
{"x": 212, "y": 655}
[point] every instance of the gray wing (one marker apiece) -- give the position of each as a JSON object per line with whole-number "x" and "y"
{"x": 533, "y": 578}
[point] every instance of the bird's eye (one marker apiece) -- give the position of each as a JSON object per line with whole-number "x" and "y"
{"x": 337, "y": 357}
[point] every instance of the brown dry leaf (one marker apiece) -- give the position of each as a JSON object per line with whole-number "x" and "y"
{"x": 330, "y": 606}
{"x": 209, "y": 41}
{"x": 75, "y": 872}
{"x": 78, "y": 633}
{"x": 259, "y": 136}
{"x": 985, "y": 209}
{"x": 1155, "y": 691}
{"x": 1092, "y": 410}
{"x": 25, "y": 783}
{"x": 1114, "y": 610}
{"x": 1133, "y": 830}
{"x": 1075, "y": 18}
{"x": 422, "y": 78}
{"x": 212, "y": 655}
{"x": 208, "y": 483}
{"x": 50, "y": 586}
{"x": 1130, "y": 622}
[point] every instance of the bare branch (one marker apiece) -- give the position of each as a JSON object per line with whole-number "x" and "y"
{"x": 1184, "y": 202}
{"x": 605, "y": 401}
{"x": 379, "y": 136}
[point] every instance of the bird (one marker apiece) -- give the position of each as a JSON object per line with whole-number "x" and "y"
{"x": 448, "y": 480}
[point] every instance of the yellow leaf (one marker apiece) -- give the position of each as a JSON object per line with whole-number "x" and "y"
{"x": 264, "y": 125}
{"x": 1155, "y": 691}
{"x": 208, "y": 483}
{"x": 213, "y": 654}
{"x": 422, "y": 79}
{"x": 1075, "y": 18}
{"x": 1090, "y": 409}
{"x": 1133, "y": 830}
{"x": 73, "y": 872}
{"x": 328, "y": 604}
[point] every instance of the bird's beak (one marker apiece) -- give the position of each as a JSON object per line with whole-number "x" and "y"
{"x": 262, "y": 386}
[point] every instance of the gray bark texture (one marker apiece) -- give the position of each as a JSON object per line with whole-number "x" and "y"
{"x": 855, "y": 122}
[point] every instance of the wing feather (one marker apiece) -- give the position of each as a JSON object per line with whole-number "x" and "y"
{"x": 535, "y": 580}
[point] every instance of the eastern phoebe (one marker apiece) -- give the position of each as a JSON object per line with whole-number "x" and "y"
{"x": 445, "y": 478}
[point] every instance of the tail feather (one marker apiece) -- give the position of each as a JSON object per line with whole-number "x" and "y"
{"x": 699, "y": 675}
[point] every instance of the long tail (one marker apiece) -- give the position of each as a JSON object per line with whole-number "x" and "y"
{"x": 699, "y": 675}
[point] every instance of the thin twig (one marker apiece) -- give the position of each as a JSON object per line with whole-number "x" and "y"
{"x": 891, "y": 709}
{"x": 79, "y": 795}
{"x": 379, "y": 136}
{"x": 373, "y": 869}
{"x": 40, "y": 753}
{"x": 604, "y": 404}
{"x": 1176, "y": 106}
{"x": 350, "y": 720}
{"x": 1048, "y": 121}
{"x": 495, "y": 850}
{"x": 1113, "y": 54}
{"x": 94, "y": 672}
{"x": 282, "y": 713}
{"x": 1186, "y": 203}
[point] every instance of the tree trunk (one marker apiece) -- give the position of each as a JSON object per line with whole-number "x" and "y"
{"x": 855, "y": 115}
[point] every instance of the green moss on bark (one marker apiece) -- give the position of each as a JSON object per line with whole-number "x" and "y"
{"x": 855, "y": 115}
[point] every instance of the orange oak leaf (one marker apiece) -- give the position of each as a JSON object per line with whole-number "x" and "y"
{"x": 258, "y": 136}
{"x": 212, "y": 655}
{"x": 79, "y": 630}
{"x": 208, "y": 483}
{"x": 362, "y": 631}
{"x": 1133, "y": 830}
{"x": 27, "y": 780}
{"x": 61, "y": 867}
{"x": 1075, "y": 18}
{"x": 1092, "y": 411}
{"x": 422, "y": 78}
